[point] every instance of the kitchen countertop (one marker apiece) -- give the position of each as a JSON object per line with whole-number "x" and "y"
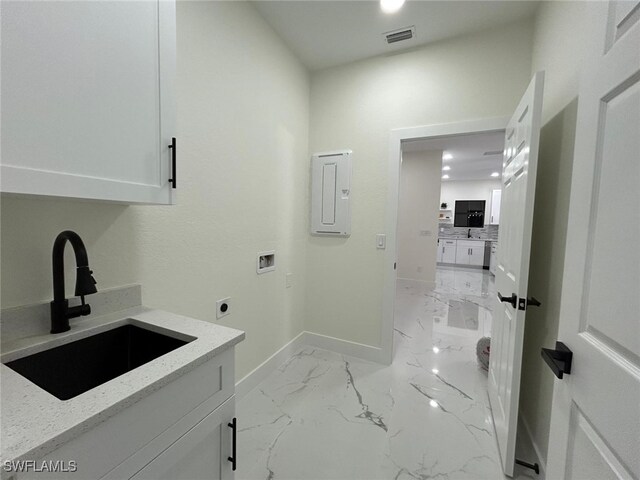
{"x": 35, "y": 423}
{"x": 446, "y": 237}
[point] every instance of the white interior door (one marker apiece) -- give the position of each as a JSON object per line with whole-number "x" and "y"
{"x": 512, "y": 272}
{"x": 595, "y": 421}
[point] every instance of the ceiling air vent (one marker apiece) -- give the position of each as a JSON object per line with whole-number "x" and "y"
{"x": 405, "y": 33}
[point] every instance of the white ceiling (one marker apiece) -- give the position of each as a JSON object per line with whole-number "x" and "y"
{"x": 469, "y": 161}
{"x": 328, "y": 33}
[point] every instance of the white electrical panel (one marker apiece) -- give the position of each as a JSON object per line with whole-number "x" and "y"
{"x": 330, "y": 193}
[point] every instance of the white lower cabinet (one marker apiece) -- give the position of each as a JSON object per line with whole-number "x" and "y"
{"x": 470, "y": 252}
{"x": 462, "y": 255}
{"x": 180, "y": 431}
{"x": 476, "y": 255}
{"x": 202, "y": 452}
{"x": 449, "y": 254}
{"x": 494, "y": 258}
{"x": 446, "y": 251}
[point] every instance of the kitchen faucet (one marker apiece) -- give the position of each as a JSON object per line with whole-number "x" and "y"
{"x": 85, "y": 283}
{"x": 469, "y": 234}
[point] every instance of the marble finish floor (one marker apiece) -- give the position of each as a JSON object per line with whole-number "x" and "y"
{"x": 323, "y": 415}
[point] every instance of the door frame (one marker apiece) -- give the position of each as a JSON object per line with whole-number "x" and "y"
{"x": 397, "y": 136}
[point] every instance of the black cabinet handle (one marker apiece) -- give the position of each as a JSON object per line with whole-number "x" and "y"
{"x": 559, "y": 360}
{"x": 173, "y": 162}
{"x": 513, "y": 299}
{"x": 233, "y": 458}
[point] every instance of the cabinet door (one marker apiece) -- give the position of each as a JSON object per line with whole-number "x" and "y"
{"x": 449, "y": 254}
{"x": 496, "y": 198}
{"x": 88, "y": 107}
{"x": 462, "y": 255}
{"x": 440, "y": 252}
{"x": 200, "y": 453}
{"x": 476, "y": 256}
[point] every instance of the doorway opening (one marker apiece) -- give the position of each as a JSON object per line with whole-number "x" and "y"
{"x": 448, "y": 221}
{"x": 449, "y": 204}
{"x": 410, "y": 148}
{"x": 447, "y": 226}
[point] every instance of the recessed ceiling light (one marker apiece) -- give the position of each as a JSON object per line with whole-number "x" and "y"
{"x": 433, "y": 403}
{"x": 495, "y": 174}
{"x": 447, "y": 156}
{"x": 391, "y": 6}
{"x": 446, "y": 168}
{"x": 445, "y": 176}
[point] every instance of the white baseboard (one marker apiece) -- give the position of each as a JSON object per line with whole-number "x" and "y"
{"x": 531, "y": 446}
{"x": 345, "y": 347}
{"x": 262, "y": 371}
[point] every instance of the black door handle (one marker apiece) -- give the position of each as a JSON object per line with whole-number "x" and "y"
{"x": 513, "y": 299}
{"x": 173, "y": 163}
{"x": 532, "y": 302}
{"x": 525, "y": 303}
{"x": 233, "y": 458}
{"x": 559, "y": 360}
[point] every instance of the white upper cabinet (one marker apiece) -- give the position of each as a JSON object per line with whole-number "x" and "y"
{"x": 496, "y": 200}
{"x": 88, "y": 107}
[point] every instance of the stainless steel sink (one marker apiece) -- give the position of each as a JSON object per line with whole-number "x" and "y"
{"x": 74, "y": 368}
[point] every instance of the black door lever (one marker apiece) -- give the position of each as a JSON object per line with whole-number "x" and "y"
{"x": 532, "y": 302}
{"x": 524, "y": 303}
{"x": 559, "y": 360}
{"x": 513, "y": 299}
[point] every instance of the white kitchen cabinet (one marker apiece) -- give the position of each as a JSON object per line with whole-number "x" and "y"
{"x": 476, "y": 255}
{"x": 88, "y": 107}
{"x": 446, "y": 251}
{"x": 496, "y": 201}
{"x": 470, "y": 252}
{"x": 202, "y": 452}
{"x": 494, "y": 257}
{"x": 449, "y": 255}
{"x": 462, "y": 255}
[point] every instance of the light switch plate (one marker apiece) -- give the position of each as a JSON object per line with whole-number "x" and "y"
{"x": 381, "y": 241}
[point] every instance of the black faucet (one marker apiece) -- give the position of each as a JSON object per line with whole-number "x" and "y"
{"x": 85, "y": 283}
{"x": 469, "y": 234}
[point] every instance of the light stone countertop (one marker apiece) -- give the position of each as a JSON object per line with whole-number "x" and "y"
{"x": 35, "y": 423}
{"x": 445, "y": 237}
